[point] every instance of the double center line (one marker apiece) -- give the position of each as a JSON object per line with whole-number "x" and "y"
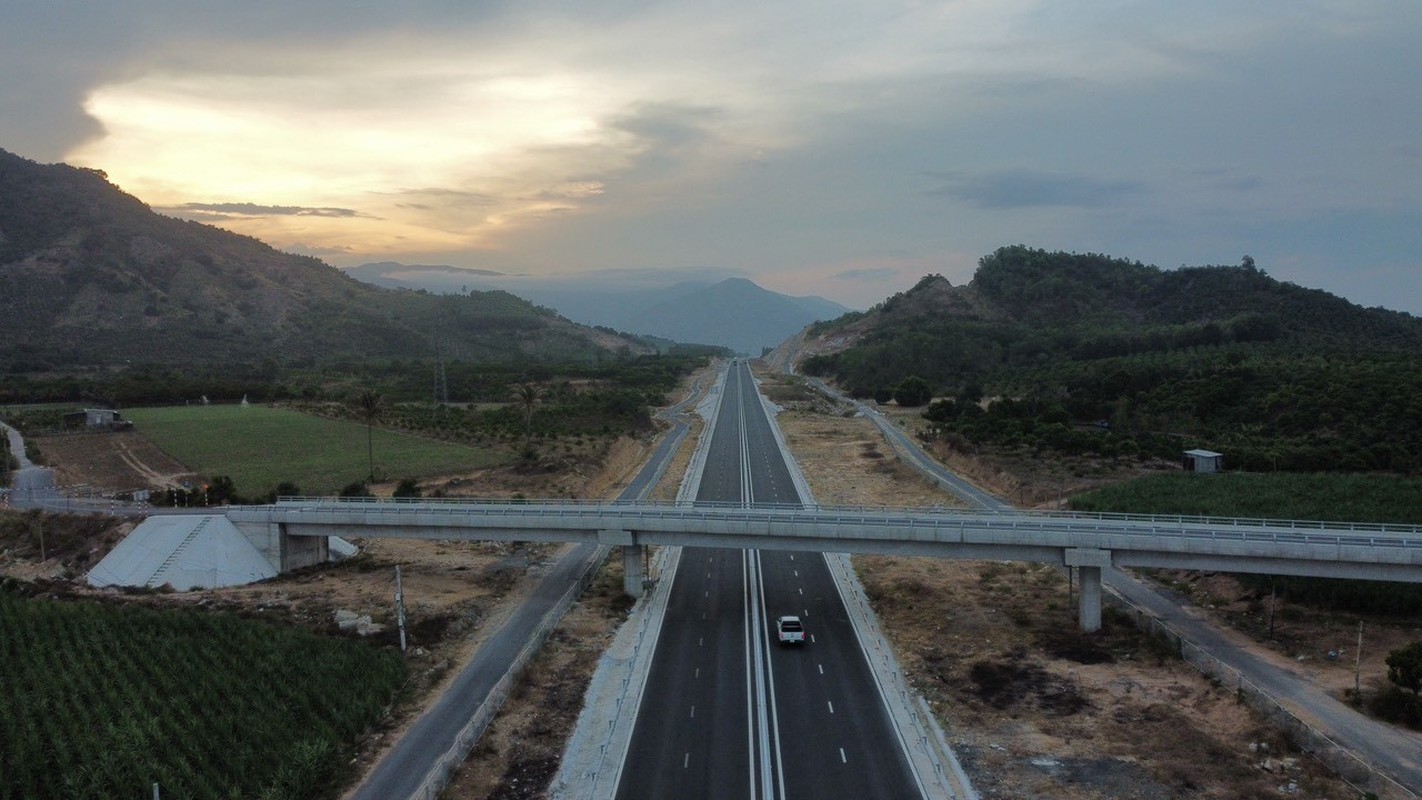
{"x": 767, "y": 773}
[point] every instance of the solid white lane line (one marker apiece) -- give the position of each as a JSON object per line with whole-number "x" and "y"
{"x": 750, "y": 697}
{"x": 770, "y": 682}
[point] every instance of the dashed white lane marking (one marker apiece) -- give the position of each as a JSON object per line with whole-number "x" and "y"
{"x": 802, "y": 591}
{"x": 698, "y": 672}
{"x": 842, "y": 759}
{"x": 701, "y": 642}
{"x": 686, "y": 759}
{"x": 797, "y": 572}
{"x": 693, "y": 712}
{"x": 822, "y": 668}
{"x": 812, "y": 638}
{"x": 830, "y": 703}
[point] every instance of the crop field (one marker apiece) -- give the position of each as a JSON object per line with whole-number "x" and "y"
{"x": 1327, "y": 497}
{"x": 259, "y": 447}
{"x": 103, "y": 702}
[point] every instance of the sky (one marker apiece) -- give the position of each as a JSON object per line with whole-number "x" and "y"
{"x": 842, "y": 149}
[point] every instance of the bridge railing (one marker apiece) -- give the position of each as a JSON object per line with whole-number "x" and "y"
{"x": 910, "y": 516}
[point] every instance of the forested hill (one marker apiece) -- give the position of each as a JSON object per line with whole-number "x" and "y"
{"x": 1221, "y": 356}
{"x": 90, "y": 275}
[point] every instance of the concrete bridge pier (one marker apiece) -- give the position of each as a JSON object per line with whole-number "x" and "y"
{"x": 1089, "y": 563}
{"x": 633, "y": 571}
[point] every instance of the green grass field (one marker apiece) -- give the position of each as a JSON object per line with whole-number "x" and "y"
{"x": 1327, "y": 497}
{"x": 259, "y": 447}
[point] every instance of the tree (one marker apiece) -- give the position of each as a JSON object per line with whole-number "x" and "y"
{"x": 1404, "y": 667}
{"x": 913, "y": 391}
{"x": 372, "y": 407}
{"x": 527, "y": 395}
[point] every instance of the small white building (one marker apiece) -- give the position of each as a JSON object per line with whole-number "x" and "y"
{"x": 1203, "y": 461}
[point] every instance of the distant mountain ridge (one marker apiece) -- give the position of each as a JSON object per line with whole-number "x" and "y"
{"x": 1048, "y": 354}
{"x": 1026, "y": 307}
{"x": 90, "y": 275}
{"x": 733, "y": 312}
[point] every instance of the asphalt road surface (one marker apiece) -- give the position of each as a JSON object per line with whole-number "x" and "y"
{"x": 729, "y": 713}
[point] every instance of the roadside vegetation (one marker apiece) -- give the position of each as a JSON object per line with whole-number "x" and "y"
{"x": 104, "y": 701}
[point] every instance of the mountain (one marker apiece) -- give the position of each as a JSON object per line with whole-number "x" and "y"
{"x": 1087, "y": 353}
{"x": 733, "y": 312}
{"x": 90, "y": 275}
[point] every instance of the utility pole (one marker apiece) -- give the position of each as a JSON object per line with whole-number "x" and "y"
{"x": 1358, "y": 667}
{"x": 1271, "y": 609}
{"x": 400, "y": 607}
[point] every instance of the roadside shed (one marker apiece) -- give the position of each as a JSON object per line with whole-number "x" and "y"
{"x": 1203, "y": 461}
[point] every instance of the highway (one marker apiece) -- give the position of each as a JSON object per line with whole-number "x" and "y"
{"x": 727, "y": 713}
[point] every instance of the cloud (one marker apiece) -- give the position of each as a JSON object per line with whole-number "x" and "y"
{"x": 1027, "y": 189}
{"x": 233, "y": 210}
{"x": 868, "y": 275}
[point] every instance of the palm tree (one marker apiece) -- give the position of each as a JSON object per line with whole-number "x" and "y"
{"x": 528, "y": 395}
{"x": 372, "y": 407}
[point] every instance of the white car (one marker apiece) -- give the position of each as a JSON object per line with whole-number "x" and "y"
{"x": 789, "y": 630}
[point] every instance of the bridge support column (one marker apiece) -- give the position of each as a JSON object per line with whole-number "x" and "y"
{"x": 633, "y": 573}
{"x": 1089, "y": 562}
{"x": 1089, "y": 610}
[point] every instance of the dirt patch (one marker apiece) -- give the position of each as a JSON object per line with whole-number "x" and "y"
{"x": 113, "y": 461}
{"x": 847, "y": 462}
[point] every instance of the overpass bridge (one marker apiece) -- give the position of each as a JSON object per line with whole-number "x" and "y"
{"x": 1089, "y": 542}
